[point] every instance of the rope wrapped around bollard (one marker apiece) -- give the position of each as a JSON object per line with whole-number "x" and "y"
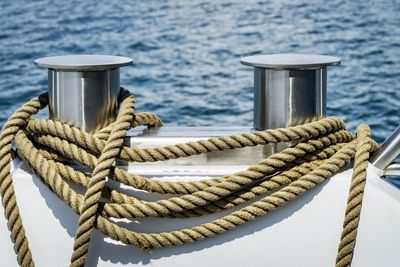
{"x": 320, "y": 149}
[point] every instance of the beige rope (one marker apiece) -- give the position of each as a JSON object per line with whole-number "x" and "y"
{"x": 320, "y": 149}
{"x": 353, "y": 209}
{"x": 18, "y": 120}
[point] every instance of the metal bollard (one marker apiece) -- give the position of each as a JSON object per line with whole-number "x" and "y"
{"x": 83, "y": 89}
{"x": 289, "y": 89}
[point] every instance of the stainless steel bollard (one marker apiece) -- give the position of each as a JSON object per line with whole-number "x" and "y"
{"x": 289, "y": 89}
{"x": 83, "y": 89}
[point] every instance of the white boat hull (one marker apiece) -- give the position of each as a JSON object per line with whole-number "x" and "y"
{"x": 305, "y": 232}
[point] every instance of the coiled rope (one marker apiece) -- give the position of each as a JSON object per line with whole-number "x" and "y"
{"x": 320, "y": 150}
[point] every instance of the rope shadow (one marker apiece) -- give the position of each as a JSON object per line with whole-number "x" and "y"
{"x": 101, "y": 248}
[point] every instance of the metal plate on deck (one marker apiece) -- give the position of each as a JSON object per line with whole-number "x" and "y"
{"x": 141, "y": 137}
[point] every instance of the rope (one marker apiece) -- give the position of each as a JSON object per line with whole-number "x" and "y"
{"x": 353, "y": 209}
{"x": 320, "y": 149}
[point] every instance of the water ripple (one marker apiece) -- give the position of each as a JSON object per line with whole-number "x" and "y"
{"x": 186, "y": 53}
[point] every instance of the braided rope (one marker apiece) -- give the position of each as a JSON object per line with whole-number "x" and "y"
{"x": 9, "y": 201}
{"x": 354, "y": 203}
{"x": 321, "y": 148}
{"x": 96, "y": 184}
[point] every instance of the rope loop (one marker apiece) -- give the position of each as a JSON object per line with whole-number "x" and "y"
{"x": 320, "y": 149}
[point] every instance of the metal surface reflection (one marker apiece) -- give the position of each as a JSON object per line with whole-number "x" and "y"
{"x": 83, "y": 90}
{"x": 289, "y": 89}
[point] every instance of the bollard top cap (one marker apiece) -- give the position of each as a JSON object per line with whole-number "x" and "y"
{"x": 83, "y": 62}
{"x": 290, "y": 61}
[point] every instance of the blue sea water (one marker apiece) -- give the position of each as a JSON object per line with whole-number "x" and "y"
{"x": 187, "y": 53}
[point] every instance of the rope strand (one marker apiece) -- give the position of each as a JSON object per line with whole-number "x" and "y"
{"x": 320, "y": 149}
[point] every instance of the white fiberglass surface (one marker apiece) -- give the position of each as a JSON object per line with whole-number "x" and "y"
{"x": 305, "y": 232}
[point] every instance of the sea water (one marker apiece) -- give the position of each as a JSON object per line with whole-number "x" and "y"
{"x": 187, "y": 53}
